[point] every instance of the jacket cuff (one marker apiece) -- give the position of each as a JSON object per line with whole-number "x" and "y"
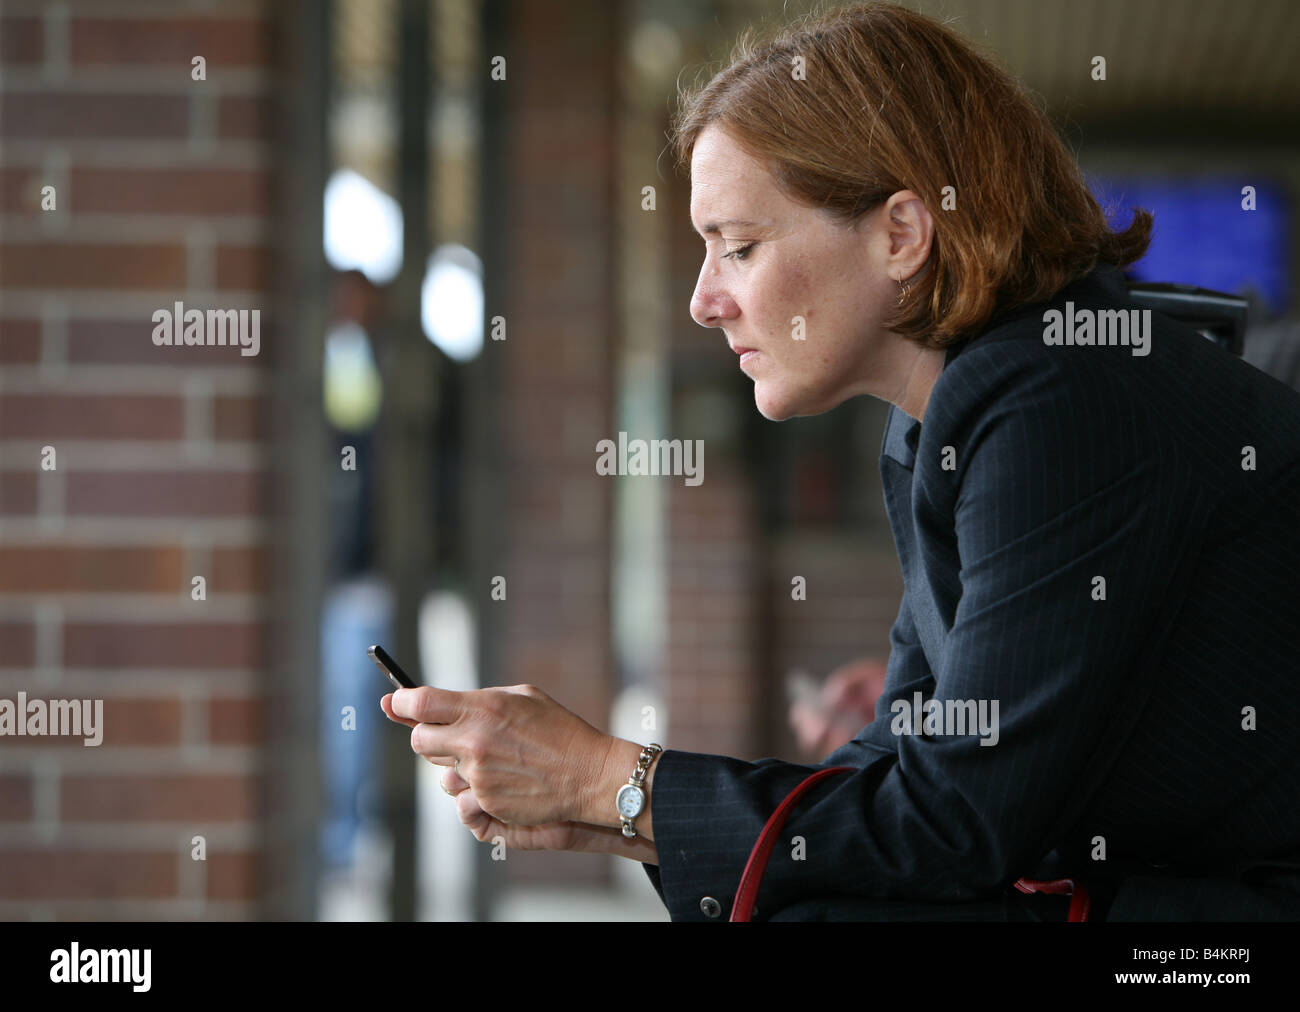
{"x": 708, "y": 813}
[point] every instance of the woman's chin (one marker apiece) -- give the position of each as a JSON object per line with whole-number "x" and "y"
{"x": 772, "y": 405}
{"x": 777, "y": 405}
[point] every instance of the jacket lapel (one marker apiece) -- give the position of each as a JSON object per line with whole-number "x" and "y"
{"x": 897, "y": 460}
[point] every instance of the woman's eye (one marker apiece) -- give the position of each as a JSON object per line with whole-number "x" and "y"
{"x": 739, "y": 253}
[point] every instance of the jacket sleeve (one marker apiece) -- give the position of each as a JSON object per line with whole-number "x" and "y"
{"x": 1060, "y": 480}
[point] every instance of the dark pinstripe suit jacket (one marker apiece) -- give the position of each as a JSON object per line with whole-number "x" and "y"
{"x": 1155, "y": 726}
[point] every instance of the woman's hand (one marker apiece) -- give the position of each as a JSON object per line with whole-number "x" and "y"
{"x": 523, "y": 765}
{"x": 575, "y": 836}
{"x": 486, "y": 828}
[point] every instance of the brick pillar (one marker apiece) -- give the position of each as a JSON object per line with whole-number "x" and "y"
{"x": 160, "y": 189}
{"x": 559, "y": 165}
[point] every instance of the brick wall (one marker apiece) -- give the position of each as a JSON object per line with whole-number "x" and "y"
{"x": 162, "y": 188}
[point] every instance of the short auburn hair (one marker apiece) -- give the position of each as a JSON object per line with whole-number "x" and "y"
{"x": 892, "y": 100}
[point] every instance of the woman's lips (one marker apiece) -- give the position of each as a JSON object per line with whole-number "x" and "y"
{"x": 747, "y": 354}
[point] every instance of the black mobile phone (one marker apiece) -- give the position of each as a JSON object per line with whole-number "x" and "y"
{"x": 391, "y": 669}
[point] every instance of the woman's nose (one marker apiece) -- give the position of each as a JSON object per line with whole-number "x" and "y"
{"x": 709, "y": 305}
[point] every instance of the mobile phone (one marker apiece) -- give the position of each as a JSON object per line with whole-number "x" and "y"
{"x": 391, "y": 669}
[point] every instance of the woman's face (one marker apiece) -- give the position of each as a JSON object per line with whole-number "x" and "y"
{"x": 807, "y": 294}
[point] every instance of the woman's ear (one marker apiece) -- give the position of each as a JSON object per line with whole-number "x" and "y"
{"x": 911, "y": 234}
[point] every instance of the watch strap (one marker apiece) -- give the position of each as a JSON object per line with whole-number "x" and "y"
{"x": 637, "y": 780}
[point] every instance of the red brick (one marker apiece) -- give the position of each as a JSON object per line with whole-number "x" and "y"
{"x": 15, "y": 799}
{"x": 56, "y": 873}
{"x": 236, "y": 570}
{"x": 50, "y": 116}
{"x": 216, "y": 797}
{"x": 242, "y": 267}
{"x": 88, "y": 416}
{"x": 232, "y": 876}
{"x": 221, "y": 41}
{"x": 92, "y": 265}
{"x": 170, "y": 191}
{"x": 20, "y": 342}
{"x": 142, "y": 722}
{"x": 235, "y": 721}
{"x": 17, "y": 644}
{"x": 178, "y": 644}
{"x": 22, "y": 40}
{"x": 20, "y": 191}
{"x": 168, "y": 493}
{"x": 91, "y": 569}
{"x": 237, "y": 418}
{"x": 244, "y": 118}
{"x": 18, "y": 492}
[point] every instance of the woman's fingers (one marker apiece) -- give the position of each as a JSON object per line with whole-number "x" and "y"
{"x": 452, "y": 782}
{"x": 489, "y": 829}
{"x": 386, "y": 704}
{"x": 487, "y": 731}
{"x": 422, "y": 705}
{"x": 472, "y": 815}
{"x": 432, "y": 741}
{"x": 427, "y": 705}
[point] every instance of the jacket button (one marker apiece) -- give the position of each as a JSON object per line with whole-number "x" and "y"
{"x": 710, "y": 907}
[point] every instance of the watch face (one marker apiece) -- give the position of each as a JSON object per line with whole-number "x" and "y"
{"x": 629, "y": 801}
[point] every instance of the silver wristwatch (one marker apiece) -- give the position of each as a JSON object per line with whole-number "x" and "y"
{"x": 630, "y": 800}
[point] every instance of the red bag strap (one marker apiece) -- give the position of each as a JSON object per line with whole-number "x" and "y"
{"x": 1080, "y": 901}
{"x": 752, "y": 877}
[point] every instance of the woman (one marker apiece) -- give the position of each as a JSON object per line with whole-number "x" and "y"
{"x": 1096, "y": 530}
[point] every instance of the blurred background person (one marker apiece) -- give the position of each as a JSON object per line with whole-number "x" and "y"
{"x": 826, "y": 716}
{"x": 358, "y": 606}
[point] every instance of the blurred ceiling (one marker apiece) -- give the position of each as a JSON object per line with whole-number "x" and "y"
{"x": 1190, "y": 56}
{"x": 1167, "y": 54}
{"x": 1188, "y": 61}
